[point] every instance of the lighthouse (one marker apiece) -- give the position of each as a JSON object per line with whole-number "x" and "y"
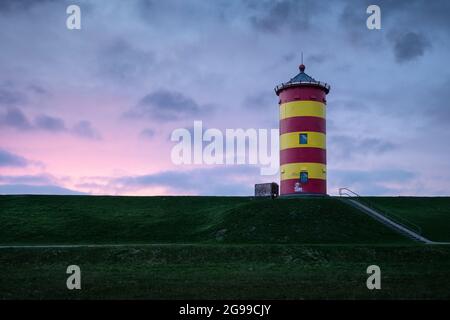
{"x": 303, "y": 155}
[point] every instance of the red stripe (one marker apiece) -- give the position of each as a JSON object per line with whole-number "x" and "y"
{"x": 294, "y": 124}
{"x": 302, "y": 93}
{"x": 293, "y": 155}
{"x": 312, "y": 186}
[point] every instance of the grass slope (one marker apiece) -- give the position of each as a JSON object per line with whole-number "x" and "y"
{"x": 227, "y": 272}
{"x": 432, "y": 214}
{"x": 245, "y": 220}
{"x": 218, "y": 248}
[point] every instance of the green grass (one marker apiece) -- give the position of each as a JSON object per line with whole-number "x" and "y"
{"x": 432, "y": 214}
{"x": 227, "y": 272}
{"x": 137, "y": 220}
{"x": 219, "y": 248}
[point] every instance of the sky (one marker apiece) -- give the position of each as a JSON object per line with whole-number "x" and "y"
{"x": 91, "y": 111}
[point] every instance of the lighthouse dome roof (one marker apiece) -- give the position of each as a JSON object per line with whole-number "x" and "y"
{"x": 302, "y": 79}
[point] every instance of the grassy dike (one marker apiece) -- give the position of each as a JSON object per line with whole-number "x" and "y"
{"x": 237, "y": 220}
{"x": 210, "y": 248}
{"x": 432, "y": 214}
{"x": 228, "y": 272}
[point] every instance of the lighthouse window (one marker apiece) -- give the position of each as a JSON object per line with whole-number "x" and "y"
{"x": 303, "y": 177}
{"x": 303, "y": 138}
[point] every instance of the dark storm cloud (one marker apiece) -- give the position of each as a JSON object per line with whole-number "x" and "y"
{"x": 26, "y": 179}
{"x": 205, "y": 181}
{"x": 13, "y": 117}
{"x": 146, "y": 4}
{"x": 404, "y": 23}
{"x": 274, "y": 16}
{"x": 435, "y": 104}
{"x": 373, "y": 182}
{"x": 410, "y": 46}
{"x": 415, "y": 13}
{"x": 147, "y": 133}
{"x": 36, "y": 189}
{"x": 289, "y": 57}
{"x": 349, "y": 105}
{"x": 353, "y": 16}
{"x": 18, "y": 95}
{"x": 406, "y": 14}
{"x": 20, "y": 5}
{"x": 374, "y": 176}
{"x": 263, "y": 100}
{"x": 84, "y": 129}
{"x": 407, "y": 24}
{"x": 316, "y": 58}
{"x": 49, "y": 123}
{"x": 123, "y": 62}
{"x": 8, "y": 159}
{"x": 37, "y": 89}
{"x": 167, "y": 105}
{"x": 352, "y": 20}
{"x": 11, "y": 97}
{"x": 146, "y": 10}
{"x": 347, "y": 147}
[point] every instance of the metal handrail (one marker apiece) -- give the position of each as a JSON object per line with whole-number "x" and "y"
{"x": 401, "y": 221}
{"x": 354, "y": 194}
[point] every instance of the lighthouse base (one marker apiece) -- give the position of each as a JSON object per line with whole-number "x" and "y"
{"x": 300, "y": 195}
{"x": 312, "y": 186}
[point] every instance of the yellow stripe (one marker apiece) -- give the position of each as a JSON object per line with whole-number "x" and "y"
{"x": 302, "y": 109}
{"x": 292, "y": 170}
{"x": 292, "y": 140}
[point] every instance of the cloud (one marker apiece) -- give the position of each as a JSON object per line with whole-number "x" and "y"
{"x": 373, "y": 182}
{"x": 10, "y": 97}
{"x": 347, "y": 147}
{"x": 434, "y": 103}
{"x": 32, "y": 189}
{"x": 373, "y": 176}
{"x": 36, "y": 89}
{"x": 49, "y": 123}
{"x": 430, "y": 14}
{"x": 27, "y": 179}
{"x": 262, "y": 100}
{"x": 122, "y": 62}
{"x": 167, "y": 105}
{"x": 230, "y": 180}
{"x": 316, "y": 58}
{"x": 8, "y": 159}
{"x": 409, "y": 46}
{"x": 84, "y": 129}
{"x": 275, "y": 16}
{"x": 147, "y": 133}
{"x": 13, "y": 96}
{"x": 13, "y": 117}
{"x": 20, "y": 5}
{"x": 353, "y": 17}
{"x": 352, "y": 20}
{"x": 33, "y": 184}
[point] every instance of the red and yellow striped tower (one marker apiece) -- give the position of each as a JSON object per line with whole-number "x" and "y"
{"x": 303, "y": 158}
